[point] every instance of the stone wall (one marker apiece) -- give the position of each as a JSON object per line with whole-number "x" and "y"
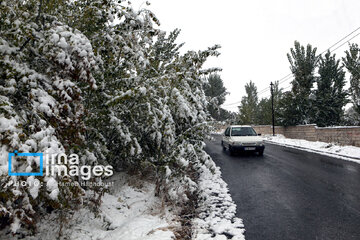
{"x": 340, "y": 135}
{"x": 343, "y": 136}
{"x": 267, "y": 129}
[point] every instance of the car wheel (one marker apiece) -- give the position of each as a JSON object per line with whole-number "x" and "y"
{"x": 231, "y": 151}
{"x": 223, "y": 147}
{"x": 261, "y": 153}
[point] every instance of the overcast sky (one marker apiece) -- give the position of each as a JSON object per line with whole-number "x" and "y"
{"x": 256, "y": 35}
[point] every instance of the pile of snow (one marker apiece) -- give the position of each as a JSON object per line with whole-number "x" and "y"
{"x": 218, "y": 131}
{"x": 349, "y": 153}
{"x": 127, "y": 212}
{"x": 216, "y": 208}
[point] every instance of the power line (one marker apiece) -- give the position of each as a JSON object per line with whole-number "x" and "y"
{"x": 285, "y": 79}
{"x": 345, "y": 43}
{"x": 281, "y": 80}
{"x": 289, "y": 76}
{"x": 263, "y": 91}
{"x": 283, "y": 89}
{"x": 341, "y": 41}
{"x": 230, "y": 104}
{"x": 287, "y": 87}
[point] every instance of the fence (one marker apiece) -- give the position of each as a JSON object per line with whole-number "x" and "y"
{"x": 340, "y": 135}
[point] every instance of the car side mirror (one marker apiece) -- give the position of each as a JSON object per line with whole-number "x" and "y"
{"x": 259, "y": 134}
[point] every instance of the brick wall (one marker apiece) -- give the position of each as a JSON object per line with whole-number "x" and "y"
{"x": 307, "y": 132}
{"x": 340, "y": 135}
{"x": 267, "y": 129}
{"x": 343, "y": 136}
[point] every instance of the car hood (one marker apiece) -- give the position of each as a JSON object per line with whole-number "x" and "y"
{"x": 246, "y": 139}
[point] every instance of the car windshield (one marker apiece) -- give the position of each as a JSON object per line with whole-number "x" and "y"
{"x": 243, "y": 131}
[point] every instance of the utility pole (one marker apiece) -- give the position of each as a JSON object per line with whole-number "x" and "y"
{"x": 272, "y": 107}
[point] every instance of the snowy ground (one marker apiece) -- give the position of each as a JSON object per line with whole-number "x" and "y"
{"x": 128, "y": 212}
{"x": 349, "y": 153}
{"x": 218, "y": 131}
{"x": 131, "y": 211}
{"x": 216, "y": 220}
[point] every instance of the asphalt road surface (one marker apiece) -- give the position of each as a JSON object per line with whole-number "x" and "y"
{"x": 292, "y": 194}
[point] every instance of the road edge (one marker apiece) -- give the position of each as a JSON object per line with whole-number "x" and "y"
{"x": 335, "y": 155}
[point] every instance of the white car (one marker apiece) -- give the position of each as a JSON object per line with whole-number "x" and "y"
{"x": 242, "y": 138}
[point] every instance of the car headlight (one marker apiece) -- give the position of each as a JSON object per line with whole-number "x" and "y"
{"x": 236, "y": 143}
{"x": 260, "y": 143}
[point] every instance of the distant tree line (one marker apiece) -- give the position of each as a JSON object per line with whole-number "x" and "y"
{"x": 317, "y": 95}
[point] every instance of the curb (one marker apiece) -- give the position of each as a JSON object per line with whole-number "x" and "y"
{"x": 340, "y": 156}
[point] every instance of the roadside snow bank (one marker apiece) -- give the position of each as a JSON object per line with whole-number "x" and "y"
{"x": 349, "y": 153}
{"x": 216, "y": 209}
{"x": 128, "y": 212}
{"x": 218, "y": 132}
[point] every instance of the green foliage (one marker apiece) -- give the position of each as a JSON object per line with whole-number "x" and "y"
{"x": 330, "y": 96}
{"x": 304, "y": 104}
{"x": 288, "y": 110}
{"x": 352, "y": 64}
{"x": 99, "y": 79}
{"x": 215, "y": 88}
{"x": 302, "y": 65}
{"x": 41, "y": 105}
{"x": 264, "y": 111}
{"x": 303, "y": 62}
{"x": 351, "y": 117}
{"x": 248, "y": 106}
{"x": 216, "y": 93}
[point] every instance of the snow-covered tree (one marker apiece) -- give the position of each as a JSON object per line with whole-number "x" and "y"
{"x": 99, "y": 79}
{"x": 303, "y": 63}
{"x": 352, "y": 64}
{"x": 330, "y": 96}
{"x": 264, "y": 111}
{"x": 248, "y": 106}
{"x": 351, "y": 117}
{"x": 45, "y": 67}
{"x": 216, "y": 93}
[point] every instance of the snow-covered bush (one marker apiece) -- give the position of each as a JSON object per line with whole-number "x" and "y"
{"x": 351, "y": 117}
{"x": 44, "y": 66}
{"x": 99, "y": 79}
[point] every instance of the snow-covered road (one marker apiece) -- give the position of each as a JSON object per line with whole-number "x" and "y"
{"x": 292, "y": 194}
{"x": 349, "y": 153}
